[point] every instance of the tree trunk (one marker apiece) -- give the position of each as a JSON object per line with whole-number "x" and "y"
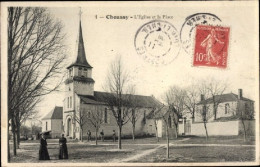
{"x": 156, "y": 131}
{"x": 244, "y": 128}
{"x": 176, "y": 128}
{"x": 205, "y": 126}
{"x": 215, "y": 111}
{"x": 14, "y": 138}
{"x": 119, "y": 137}
{"x": 133, "y": 131}
{"x": 18, "y": 134}
{"x": 81, "y": 134}
{"x": 96, "y": 136}
{"x": 167, "y": 137}
{"x": 8, "y": 149}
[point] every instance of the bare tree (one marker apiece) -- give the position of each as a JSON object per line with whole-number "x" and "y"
{"x": 118, "y": 99}
{"x": 214, "y": 89}
{"x": 245, "y": 112}
{"x": 96, "y": 119}
{"x": 205, "y": 116}
{"x": 155, "y": 113}
{"x": 35, "y": 57}
{"x": 191, "y": 99}
{"x": 81, "y": 117}
{"x": 175, "y": 98}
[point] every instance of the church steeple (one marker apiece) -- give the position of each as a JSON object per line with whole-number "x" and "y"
{"x": 81, "y": 55}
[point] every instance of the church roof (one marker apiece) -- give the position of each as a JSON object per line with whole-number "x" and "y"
{"x": 223, "y": 98}
{"x": 103, "y": 97}
{"x": 81, "y": 55}
{"x": 56, "y": 113}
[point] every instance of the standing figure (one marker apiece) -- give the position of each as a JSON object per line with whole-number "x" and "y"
{"x": 63, "y": 148}
{"x": 102, "y": 135}
{"x": 114, "y": 136}
{"x": 209, "y": 42}
{"x": 43, "y": 152}
{"x": 89, "y": 135}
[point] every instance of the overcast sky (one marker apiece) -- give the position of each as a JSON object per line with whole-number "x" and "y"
{"x": 105, "y": 39}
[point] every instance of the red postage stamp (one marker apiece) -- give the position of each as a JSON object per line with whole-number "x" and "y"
{"x": 211, "y": 46}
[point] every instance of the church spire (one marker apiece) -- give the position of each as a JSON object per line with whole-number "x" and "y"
{"x": 81, "y": 55}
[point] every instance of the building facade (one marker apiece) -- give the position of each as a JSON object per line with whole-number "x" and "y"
{"x": 81, "y": 100}
{"x": 53, "y": 122}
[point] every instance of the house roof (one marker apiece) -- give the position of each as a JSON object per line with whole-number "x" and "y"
{"x": 81, "y": 55}
{"x": 105, "y": 97}
{"x": 223, "y": 98}
{"x": 56, "y": 113}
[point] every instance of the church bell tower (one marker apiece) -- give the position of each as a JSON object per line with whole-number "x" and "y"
{"x": 79, "y": 74}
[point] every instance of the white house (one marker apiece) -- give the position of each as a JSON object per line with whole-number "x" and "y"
{"x": 53, "y": 122}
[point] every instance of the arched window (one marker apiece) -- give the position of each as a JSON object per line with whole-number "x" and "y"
{"x": 80, "y": 71}
{"x": 85, "y": 72}
{"x": 105, "y": 116}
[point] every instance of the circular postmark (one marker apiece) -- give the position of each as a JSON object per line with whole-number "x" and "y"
{"x": 157, "y": 42}
{"x": 187, "y": 32}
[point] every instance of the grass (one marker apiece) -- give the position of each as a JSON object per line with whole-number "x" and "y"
{"x": 107, "y": 151}
{"x": 202, "y": 154}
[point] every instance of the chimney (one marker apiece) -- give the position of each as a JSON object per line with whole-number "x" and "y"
{"x": 240, "y": 94}
{"x": 202, "y": 97}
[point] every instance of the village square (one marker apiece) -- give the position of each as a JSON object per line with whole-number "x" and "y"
{"x": 106, "y": 115}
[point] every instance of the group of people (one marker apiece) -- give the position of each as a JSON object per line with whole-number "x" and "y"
{"x": 43, "y": 152}
{"x": 102, "y": 134}
{"x": 63, "y": 150}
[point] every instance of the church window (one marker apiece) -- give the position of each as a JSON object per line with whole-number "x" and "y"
{"x": 70, "y": 72}
{"x": 105, "y": 116}
{"x": 85, "y": 72}
{"x": 46, "y": 125}
{"x": 80, "y": 72}
{"x": 70, "y": 102}
{"x": 88, "y": 114}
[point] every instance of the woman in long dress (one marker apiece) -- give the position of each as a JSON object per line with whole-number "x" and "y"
{"x": 63, "y": 148}
{"x": 43, "y": 152}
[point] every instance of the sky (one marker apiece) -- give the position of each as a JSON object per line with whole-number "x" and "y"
{"x": 105, "y": 39}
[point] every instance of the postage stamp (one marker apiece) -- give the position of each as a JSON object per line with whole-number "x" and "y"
{"x": 188, "y": 28}
{"x": 211, "y": 46}
{"x": 157, "y": 42}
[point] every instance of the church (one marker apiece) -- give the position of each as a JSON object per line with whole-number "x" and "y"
{"x": 81, "y": 99}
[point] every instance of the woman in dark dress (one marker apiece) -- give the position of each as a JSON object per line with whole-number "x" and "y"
{"x": 43, "y": 152}
{"x": 63, "y": 148}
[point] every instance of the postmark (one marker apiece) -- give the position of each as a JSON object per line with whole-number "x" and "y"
{"x": 188, "y": 28}
{"x": 211, "y": 46}
{"x": 157, "y": 42}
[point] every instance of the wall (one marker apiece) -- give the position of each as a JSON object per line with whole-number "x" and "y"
{"x": 231, "y": 111}
{"x": 44, "y": 124}
{"x": 56, "y": 128}
{"x": 249, "y": 126}
{"x": 216, "y": 128}
{"x": 142, "y": 127}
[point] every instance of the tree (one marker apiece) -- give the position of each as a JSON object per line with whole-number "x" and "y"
{"x": 118, "y": 100}
{"x": 245, "y": 111}
{"x": 155, "y": 113}
{"x": 35, "y": 57}
{"x": 96, "y": 119}
{"x": 191, "y": 99}
{"x": 81, "y": 118}
{"x": 214, "y": 89}
{"x": 205, "y": 115}
{"x": 175, "y": 98}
